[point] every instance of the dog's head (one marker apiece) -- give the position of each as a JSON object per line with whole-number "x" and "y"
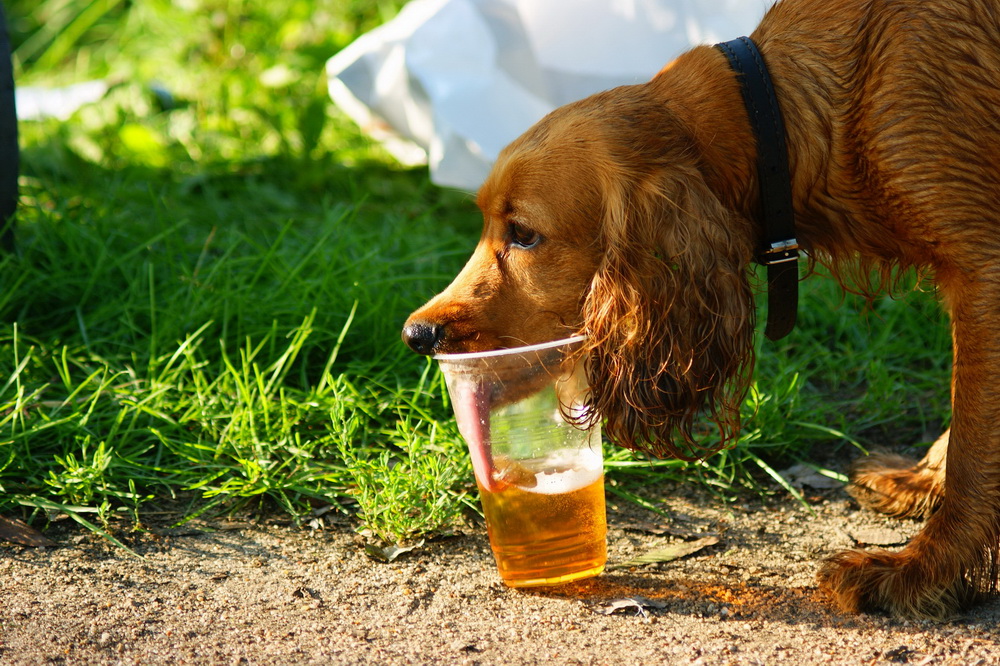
{"x": 598, "y": 220}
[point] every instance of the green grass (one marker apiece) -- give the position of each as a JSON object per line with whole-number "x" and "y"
{"x": 203, "y": 311}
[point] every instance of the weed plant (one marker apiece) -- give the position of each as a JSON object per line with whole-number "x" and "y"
{"x": 213, "y": 265}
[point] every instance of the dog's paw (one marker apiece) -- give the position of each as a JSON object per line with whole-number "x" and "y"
{"x": 896, "y": 486}
{"x": 879, "y": 580}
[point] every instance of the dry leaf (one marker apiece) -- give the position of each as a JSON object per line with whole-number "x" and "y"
{"x": 638, "y": 603}
{"x": 16, "y": 531}
{"x": 805, "y": 476}
{"x": 878, "y": 536}
{"x": 389, "y": 553}
{"x": 668, "y": 554}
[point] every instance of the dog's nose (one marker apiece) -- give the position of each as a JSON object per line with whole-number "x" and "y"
{"x": 422, "y": 337}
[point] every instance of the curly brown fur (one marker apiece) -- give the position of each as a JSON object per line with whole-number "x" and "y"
{"x": 669, "y": 314}
{"x": 633, "y": 216}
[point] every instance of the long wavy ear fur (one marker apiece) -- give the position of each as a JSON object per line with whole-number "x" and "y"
{"x": 670, "y": 315}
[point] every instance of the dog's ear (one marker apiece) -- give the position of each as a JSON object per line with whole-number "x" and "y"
{"x": 670, "y": 315}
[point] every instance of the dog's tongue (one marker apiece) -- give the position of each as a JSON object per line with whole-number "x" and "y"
{"x": 472, "y": 408}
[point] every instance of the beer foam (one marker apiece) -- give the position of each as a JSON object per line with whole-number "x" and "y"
{"x": 570, "y": 471}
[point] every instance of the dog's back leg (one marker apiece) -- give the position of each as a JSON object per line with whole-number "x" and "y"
{"x": 900, "y": 486}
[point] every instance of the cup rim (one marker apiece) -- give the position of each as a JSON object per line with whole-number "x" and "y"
{"x": 510, "y": 350}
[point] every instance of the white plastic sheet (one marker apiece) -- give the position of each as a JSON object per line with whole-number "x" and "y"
{"x": 451, "y": 82}
{"x": 36, "y": 103}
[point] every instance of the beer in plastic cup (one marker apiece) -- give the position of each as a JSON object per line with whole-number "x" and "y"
{"x": 536, "y": 453}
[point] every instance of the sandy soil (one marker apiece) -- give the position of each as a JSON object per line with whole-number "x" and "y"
{"x": 271, "y": 594}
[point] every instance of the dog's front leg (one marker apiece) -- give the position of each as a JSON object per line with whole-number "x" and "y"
{"x": 954, "y": 558}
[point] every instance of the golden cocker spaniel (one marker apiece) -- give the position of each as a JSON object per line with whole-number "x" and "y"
{"x": 633, "y": 216}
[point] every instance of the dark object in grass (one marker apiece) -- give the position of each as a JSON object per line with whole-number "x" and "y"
{"x": 9, "y": 151}
{"x": 17, "y": 531}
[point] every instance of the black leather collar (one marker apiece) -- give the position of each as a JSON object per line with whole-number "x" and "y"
{"x": 780, "y": 251}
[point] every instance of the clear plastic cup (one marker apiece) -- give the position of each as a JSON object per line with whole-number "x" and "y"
{"x": 536, "y": 453}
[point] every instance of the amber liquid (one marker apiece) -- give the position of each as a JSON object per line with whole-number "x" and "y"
{"x": 546, "y": 538}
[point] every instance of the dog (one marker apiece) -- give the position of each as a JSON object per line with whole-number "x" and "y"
{"x": 633, "y": 216}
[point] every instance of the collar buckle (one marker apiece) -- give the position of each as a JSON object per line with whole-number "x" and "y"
{"x": 780, "y": 252}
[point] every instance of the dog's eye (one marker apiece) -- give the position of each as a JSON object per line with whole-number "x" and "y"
{"x": 522, "y": 237}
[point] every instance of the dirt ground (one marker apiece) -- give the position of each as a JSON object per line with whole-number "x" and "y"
{"x": 266, "y": 593}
